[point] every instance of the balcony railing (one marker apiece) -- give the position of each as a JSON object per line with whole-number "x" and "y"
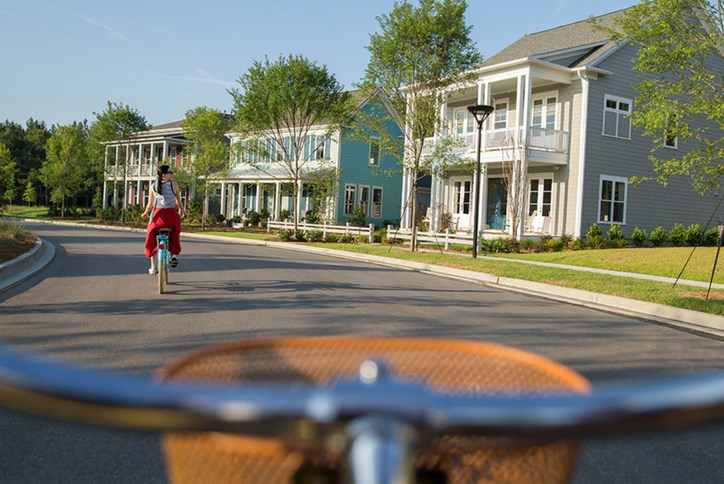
{"x": 541, "y": 139}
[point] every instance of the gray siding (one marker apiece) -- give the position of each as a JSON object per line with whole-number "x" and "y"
{"x": 648, "y": 205}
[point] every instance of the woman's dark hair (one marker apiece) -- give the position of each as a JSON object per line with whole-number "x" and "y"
{"x": 160, "y": 171}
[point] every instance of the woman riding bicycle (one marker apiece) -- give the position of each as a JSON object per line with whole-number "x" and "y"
{"x": 164, "y": 200}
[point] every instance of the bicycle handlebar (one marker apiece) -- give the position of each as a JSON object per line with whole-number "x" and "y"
{"x": 113, "y": 398}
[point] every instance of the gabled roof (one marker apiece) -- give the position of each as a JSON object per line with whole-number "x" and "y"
{"x": 573, "y": 45}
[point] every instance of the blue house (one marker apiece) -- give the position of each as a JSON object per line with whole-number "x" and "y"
{"x": 357, "y": 171}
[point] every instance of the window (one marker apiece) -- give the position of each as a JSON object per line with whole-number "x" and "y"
{"x": 464, "y": 122}
{"x": 544, "y": 111}
{"x": 541, "y": 195}
{"x": 612, "y": 208}
{"x": 350, "y": 192}
{"x": 376, "y": 202}
{"x": 670, "y": 139}
{"x": 500, "y": 120}
{"x": 374, "y": 152}
{"x": 319, "y": 149}
{"x": 364, "y": 198}
{"x": 461, "y": 194}
{"x": 616, "y": 121}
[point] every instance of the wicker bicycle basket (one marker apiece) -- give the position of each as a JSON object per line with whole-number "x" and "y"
{"x": 446, "y": 366}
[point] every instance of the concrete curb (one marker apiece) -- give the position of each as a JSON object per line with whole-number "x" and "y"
{"x": 17, "y": 270}
{"x": 695, "y": 321}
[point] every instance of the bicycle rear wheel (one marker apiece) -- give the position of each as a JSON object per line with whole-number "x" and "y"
{"x": 452, "y": 367}
{"x": 162, "y": 271}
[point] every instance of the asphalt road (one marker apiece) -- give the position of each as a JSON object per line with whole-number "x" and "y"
{"x": 97, "y": 305}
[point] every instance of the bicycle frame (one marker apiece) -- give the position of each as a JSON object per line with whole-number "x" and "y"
{"x": 379, "y": 415}
{"x": 163, "y": 258}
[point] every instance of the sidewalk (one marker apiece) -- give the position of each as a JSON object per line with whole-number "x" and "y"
{"x": 20, "y": 269}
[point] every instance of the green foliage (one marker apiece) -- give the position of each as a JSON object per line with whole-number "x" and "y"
{"x": 556, "y": 245}
{"x": 658, "y": 236}
{"x": 347, "y": 239}
{"x": 578, "y": 244}
{"x": 596, "y": 242}
{"x": 299, "y": 236}
{"x": 567, "y": 239}
{"x": 694, "y": 235}
{"x": 8, "y": 170}
{"x": 677, "y": 234}
{"x": 284, "y": 214}
{"x": 493, "y": 246}
{"x": 541, "y": 245}
{"x": 615, "y": 233}
{"x": 358, "y": 218}
{"x": 711, "y": 237}
{"x": 639, "y": 236}
{"x": 679, "y": 87}
{"x": 254, "y": 218}
{"x": 312, "y": 217}
{"x": 315, "y": 236}
{"x": 285, "y": 235}
{"x": 332, "y": 238}
{"x": 65, "y": 167}
{"x": 526, "y": 245}
{"x": 594, "y": 231}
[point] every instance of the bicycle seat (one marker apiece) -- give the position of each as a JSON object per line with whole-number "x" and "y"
{"x": 452, "y": 367}
{"x": 164, "y": 231}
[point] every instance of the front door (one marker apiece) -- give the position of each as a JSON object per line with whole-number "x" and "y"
{"x": 461, "y": 203}
{"x": 497, "y": 204}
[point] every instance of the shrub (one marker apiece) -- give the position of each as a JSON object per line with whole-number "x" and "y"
{"x": 219, "y": 218}
{"x": 358, "y": 218}
{"x": 577, "y": 244}
{"x": 526, "y": 245}
{"x": 236, "y": 219}
{"x": 284, "y": 214}
{"x": 347, "y": 239}
{"x": 541, "y": 245}
{"x": 285, "y": 235}
{"x": 299, "y": 236}
{"x": 711, "y": 237}
{"x": 312, "y": 217}
{"x": 619, "y": 243}
{"x": 332, "y": 238}
{"x": 512, "y": 245}
{"x": 392, "y": 241}
{"x": 594, "y": 231}
{"x": 658, "y": 236}
{"x": 596, "y": 242}
{"x": 264, "y": 214}
{"x": 694, "y": 234}
{"x": 639, "y": 236}
{"x": 555, "y": 245}
{"x": 254, "y": 218}
{"x": 615, "y": 233}
{"x": 362, "y": 239}
{"x": 566, "y": 239}
{"x": 677, "y": 234}
{"x": 315, "y": 236}
{"x": 445, "y": 221}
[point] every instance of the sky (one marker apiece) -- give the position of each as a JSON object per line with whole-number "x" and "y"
{"x": 61, "y": 61}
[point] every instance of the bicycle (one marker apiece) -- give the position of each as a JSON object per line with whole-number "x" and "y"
{"x": 163, "y": 258}
{"x": 380, "y": 410}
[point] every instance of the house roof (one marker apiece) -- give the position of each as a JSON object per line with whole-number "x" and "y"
{"x": 572, "y": 45}
{"x": 175, "y": 124}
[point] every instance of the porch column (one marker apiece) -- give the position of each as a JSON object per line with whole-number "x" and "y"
{"x": 240, "y": 208}
{"x": 521, "y": 148}
{"x": 115, "y": 180}
{"x": 277, "y": 200}
{"x": 165, "y": 153}
{"x": 527, "y": 106}
{"x": 223, "y": 199}
{"x": 298, "y": 208}
{"x": 257, "y": 202}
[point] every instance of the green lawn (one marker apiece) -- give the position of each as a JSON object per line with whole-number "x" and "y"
{"x": 27, "y": 212}
{"x": 661, "y": 261}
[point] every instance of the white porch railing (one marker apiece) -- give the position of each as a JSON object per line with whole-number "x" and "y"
{"x": 325, "y": 228}
{"x": 542, "y": 139}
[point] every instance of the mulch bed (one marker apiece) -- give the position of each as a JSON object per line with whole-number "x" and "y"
{"x": 10, "y": 249}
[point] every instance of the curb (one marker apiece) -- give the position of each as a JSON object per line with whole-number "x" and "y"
{"x": 17, "y": 270}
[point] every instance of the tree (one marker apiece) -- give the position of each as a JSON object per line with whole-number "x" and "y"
{"x": 117, "y": 123}
{"x": 66, "y": 164}
{"x": 8, "y": 170}
{"x": 209, "y": 150}
{"x": 419, "y": 55}
{"x": 277, "y": 107}
{"x": 680, "y": 91}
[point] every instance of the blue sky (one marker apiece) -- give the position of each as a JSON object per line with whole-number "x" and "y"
{"x": 62, "y": 60}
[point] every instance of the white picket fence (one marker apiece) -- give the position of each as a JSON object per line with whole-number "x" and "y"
{"x": 446, "y": 238}
{"x": 325, "y": 228}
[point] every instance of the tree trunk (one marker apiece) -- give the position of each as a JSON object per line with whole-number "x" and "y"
{"x": 413, "y": 214}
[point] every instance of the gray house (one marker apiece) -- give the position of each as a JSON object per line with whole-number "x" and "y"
{"x": 559, "y": 149}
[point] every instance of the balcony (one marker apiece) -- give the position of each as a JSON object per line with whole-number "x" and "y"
{"x": 538, "y": 139}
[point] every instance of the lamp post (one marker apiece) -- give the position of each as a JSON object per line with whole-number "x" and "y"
{"x": 480, "y": 112}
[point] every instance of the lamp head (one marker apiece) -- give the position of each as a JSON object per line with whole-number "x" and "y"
{"x": 481, "y": 112}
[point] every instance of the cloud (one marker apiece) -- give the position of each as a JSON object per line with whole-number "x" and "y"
{"x": 114, "y": 33}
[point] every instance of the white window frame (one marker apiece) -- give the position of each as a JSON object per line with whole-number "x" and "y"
{"x": 619, "y": 113}
{"x": 458, "y": 196}
{"x": 376, "y": 209}
{"x": 506, "y": 112}
{"x": 365, "y": 204}
{"x": 543, "y": 97}
{"x": 350, "y": 198}
{"x": 540, "y": 202}
{"x": 464, "y": 126}
{"x": 614, "y": 180}
{"x": 375, "y": 161}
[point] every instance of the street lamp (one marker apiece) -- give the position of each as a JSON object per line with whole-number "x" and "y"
{"x": 480, "y": 112}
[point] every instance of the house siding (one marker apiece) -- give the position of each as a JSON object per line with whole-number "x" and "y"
{"x": 650, "y": 204}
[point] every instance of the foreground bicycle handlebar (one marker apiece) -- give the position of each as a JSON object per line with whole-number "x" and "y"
{"x": 112, "y": 398}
